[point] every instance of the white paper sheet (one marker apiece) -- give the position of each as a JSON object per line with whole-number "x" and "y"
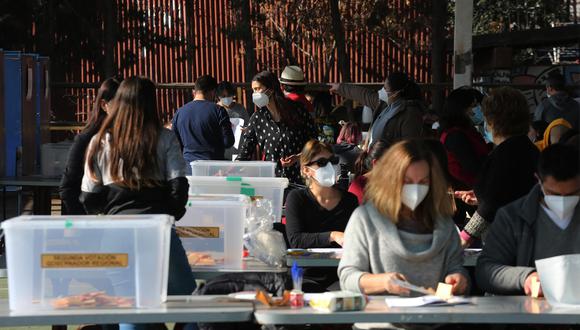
{"x": 237, "y": 124}
{"x": 559, "y": 279}
{"x": 425, "y": 301}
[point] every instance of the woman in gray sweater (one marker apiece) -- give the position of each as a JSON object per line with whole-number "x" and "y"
{"x": 404, "y": 231}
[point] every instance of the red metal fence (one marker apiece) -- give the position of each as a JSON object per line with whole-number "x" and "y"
{"x": 174, "y": 41}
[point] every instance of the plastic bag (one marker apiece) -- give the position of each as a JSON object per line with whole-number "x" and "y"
{"x": 261, "y": 240}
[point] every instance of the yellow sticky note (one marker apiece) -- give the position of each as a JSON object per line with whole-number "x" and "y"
{"x": 535, "y": 287}
{"x": 444, "y": 291}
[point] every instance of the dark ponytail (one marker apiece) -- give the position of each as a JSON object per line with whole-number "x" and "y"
{"x": 364, "y": 162}
{"x": 106, "y": 93}
{"x": 286, "y": 107}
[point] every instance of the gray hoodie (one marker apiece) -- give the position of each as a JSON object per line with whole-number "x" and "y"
{"x": 560, "y": 105}
{"x": 372, "y": 245}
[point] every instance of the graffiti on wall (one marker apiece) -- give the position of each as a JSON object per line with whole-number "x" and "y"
{"x": 534, "y": 75}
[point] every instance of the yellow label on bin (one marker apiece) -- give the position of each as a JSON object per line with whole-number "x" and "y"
{"x": 198, "y": 232}
{"x": 85, "y": 260}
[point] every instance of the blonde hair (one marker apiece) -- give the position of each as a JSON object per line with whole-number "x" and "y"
{"x": 386, "y": 180}
{"x": 312, "y": 149}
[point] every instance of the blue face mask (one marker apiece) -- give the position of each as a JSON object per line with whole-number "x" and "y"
{"x": 476, "y": 115}
{"x": 487, "y": 135}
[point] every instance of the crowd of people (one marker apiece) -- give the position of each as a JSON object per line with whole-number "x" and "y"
{"x": 402, "y": 204}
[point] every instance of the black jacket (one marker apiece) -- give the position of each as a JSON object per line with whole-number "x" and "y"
{"x": 70, "y": 184}
{"x": 506, "y": 175}
{"x": 170, "y": 198}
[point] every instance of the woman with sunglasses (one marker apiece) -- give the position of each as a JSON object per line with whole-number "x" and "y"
{"x": 316, "y": 216}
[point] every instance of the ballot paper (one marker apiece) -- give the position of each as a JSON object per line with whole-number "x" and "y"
{"x": 559, "y": 279}
{"x": 237, "y": 124}
{"x": 425, "y": 301}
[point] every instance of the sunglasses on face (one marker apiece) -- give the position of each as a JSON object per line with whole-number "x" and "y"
{"x": 323, "y": 161}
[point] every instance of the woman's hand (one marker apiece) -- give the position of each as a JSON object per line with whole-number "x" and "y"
{"x": 468, "y": 197}
{"x": 528, "y": 284}
{"x": 459, "y": 283}
{"x": 290, "y": 160}
{"x": 337, "y": 236}
{"x": 333, "y": 88}
{"x": 393, "y": 288}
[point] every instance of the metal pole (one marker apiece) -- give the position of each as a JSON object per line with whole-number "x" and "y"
{"x": 462, "y": 44}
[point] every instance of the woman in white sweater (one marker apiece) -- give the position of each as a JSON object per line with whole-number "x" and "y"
{"x": 404, "y": 231}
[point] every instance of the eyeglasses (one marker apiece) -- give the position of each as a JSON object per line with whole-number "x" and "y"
{"x": 323, "y": 161}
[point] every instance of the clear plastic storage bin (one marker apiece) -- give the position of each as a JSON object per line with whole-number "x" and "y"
{"x": 212, "y": 230}
{"x": 53, "y": 157}
{"x": 87, "y": 261}
{"x": 239, "y": 168}
{"x": 267, "y": 188}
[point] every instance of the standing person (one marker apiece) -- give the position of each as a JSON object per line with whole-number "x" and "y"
{"x": 559, "y": 103}
{"x": 466, "y": 149}
{"x": 363, "y": 165}
{"x": 226, "y": 98}
{"x": 280, "y": 127}
{"x": 316, "y": 216}
{"x": 225, "y": 94}
{"x": 404, "y": 231}
{"x": 508, "y": 172}
{"x": 70, "y": 184}
{"x": 135, "y": 166}
{"x": 397, "y": 111}
{"x": 293, "y": 83}
{"x": 202, "y": 127}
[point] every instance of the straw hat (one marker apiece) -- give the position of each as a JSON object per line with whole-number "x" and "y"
{"x": 293, "y": 76}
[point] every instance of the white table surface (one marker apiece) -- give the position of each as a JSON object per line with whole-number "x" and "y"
{"x": 332, "y": 260}
{"x": 489, "y": 310}
{"x": 176, "y": 309}
{"x": 249, "y": 265}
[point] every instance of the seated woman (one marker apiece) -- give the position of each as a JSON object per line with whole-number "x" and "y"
{"x": 363, "y": 165}
{"x": 404, "y": 231}
{"x": 316, "y": 216}
{"x": 346, "y": 147}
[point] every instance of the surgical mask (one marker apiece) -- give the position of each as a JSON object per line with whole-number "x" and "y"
{"x": 384, "y": 95}
{"x": 563, "y": 206}
{"x": 260, "y": 99}
{"x": 227, "y": 101}
{"x": 476, "y": 115}
{"x": 325, "y": 176}
{"x": 486, "y": 133}
{"x": 413, "y": 194}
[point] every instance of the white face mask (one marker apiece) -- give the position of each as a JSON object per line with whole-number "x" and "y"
{"x": 384, "y": 95}
{"x": 227, "y": 101}
{"x": 325, "y": 176}
{"x": 260, "y": 99}
{"x": 563, "y": 206}
{"x": 413, "y": 194}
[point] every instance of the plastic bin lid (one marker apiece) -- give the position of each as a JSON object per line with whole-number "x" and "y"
{"x": 87, "y": 221}
{"x": 256, "y": 182}
{"x": 229, "y": 162}
{"x": 218, "y": 199}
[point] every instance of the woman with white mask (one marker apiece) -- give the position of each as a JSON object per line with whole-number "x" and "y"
{"x": 404, "y": 231}
{"x": 279, "y": 128}
{"x": 317, "y": 215}
{"x": 225, "y": 94}
{"x": 397, "y": 107}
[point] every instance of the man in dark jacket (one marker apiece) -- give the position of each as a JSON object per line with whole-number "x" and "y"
{"x": 397, "y": 110}
{"x": 543, "y": 224}
{"x": 559, "y": 103}
{"x": 202, "y": 127}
